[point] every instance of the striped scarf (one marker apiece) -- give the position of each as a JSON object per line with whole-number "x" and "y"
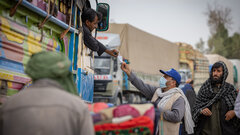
{"x": 189, "y": 124}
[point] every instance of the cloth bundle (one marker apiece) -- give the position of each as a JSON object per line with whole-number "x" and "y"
{"x": 125, "y": 119}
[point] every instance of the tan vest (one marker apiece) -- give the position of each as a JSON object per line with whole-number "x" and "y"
{"x": 169, "y": 128}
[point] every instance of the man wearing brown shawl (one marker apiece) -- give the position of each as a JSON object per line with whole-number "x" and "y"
{"x": 48, "y": 106}
{"x": 213, "y": 111}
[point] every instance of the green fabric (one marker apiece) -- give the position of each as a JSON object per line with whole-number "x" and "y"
{"x": 235, "y": 74}
{"x": 162, "y": 127}
{"x": 53, "y": 65}
{"x": 212, "y": 125}
{"x": 11, "y": 92}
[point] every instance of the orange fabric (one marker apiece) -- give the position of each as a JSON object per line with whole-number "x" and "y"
{"x": 97, "y": 107}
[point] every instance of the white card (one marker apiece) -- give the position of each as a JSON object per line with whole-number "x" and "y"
{"x": 120, "y": 58}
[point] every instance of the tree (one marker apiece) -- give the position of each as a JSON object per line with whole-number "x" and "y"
{"x": 219, "y": 22}
{"x": 200, "y": 46}
{"x": 220, "y": 43}
{"x": 218, "y": 16}
{"x": 233, "y": 45}
{"x": 216, "y": 42}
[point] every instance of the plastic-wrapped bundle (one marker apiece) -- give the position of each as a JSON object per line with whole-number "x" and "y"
{"x": 125, "y": 119}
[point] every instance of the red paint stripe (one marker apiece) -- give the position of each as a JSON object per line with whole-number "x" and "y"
{"x": 21, "y": 79}
{"x": 17, "y": 86}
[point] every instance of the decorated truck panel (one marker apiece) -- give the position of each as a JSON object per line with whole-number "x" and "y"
{"x": 27, "y": 27}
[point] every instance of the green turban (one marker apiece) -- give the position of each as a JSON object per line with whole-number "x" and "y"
{"x": 53, "y": 65}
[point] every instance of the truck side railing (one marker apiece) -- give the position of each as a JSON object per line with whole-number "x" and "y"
{"x": 42, "y": 13}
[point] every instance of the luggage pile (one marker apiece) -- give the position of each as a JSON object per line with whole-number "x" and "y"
{"x": 135, "y": 119}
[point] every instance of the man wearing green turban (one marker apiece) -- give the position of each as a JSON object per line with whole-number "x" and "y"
{"x": 52, "y": 65}
{"x": 50, "y": 105}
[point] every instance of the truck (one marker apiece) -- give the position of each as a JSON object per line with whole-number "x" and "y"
{"x": 193, "y": 65}
{"x": 146, "y": 55}
{"x": 108, "y": 75}
{"x": 30, "y": 26}
{"x": 236, "y": 72}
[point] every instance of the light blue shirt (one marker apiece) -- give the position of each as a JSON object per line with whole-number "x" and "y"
{"x": 237, "y": 106}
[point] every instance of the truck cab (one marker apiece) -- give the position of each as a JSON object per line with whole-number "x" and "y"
{"x": 108, "y": 73}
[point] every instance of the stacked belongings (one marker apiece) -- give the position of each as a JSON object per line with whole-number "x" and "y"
{"x": 134, "y": 119}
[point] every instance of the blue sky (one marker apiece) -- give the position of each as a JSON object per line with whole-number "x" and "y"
{"x": 173, "y": 20}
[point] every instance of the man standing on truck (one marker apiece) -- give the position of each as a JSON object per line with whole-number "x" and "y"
{"x": 48, "y": 106}
{"x": 213, "y": 111}
{"x": 170, "y": 100}
{"x": 90, "y": 19}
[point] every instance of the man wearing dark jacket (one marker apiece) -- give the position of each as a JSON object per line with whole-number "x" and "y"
{"x": 189, "y": 92}
{"x": 213, "y": 110}
{"x": 90, "y": 19}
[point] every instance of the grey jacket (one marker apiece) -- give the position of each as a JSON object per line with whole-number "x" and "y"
{"x": 45, "y": 109}
{"x": 175, "y": 114}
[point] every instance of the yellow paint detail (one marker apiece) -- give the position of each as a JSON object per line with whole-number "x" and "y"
{"x": 54, "y": 44}
{"x": 9, "y": 84}
{"x": 33, "y": 43}
{"x": 13, "y": 73}
{"x": 6, "y": 76}
{"x": 38, "y": 38}
{"x": 11, "y": 35}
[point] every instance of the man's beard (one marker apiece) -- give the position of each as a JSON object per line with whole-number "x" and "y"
{"x": 216, "y": 80}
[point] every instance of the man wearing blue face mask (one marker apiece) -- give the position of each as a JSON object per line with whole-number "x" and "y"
{"x": 170, "y": 100}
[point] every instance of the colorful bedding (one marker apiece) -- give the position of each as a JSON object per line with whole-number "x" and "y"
{"x": 134, "y": 119}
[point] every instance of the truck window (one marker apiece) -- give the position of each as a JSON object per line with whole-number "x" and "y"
{"x": 102, "y": 65}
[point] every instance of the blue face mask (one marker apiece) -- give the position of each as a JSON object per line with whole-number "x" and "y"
{"x": 162, "y": 82}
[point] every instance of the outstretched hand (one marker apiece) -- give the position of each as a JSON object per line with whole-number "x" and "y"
{"x": 126, "y": 68}
{"x": 113, "y": 52}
